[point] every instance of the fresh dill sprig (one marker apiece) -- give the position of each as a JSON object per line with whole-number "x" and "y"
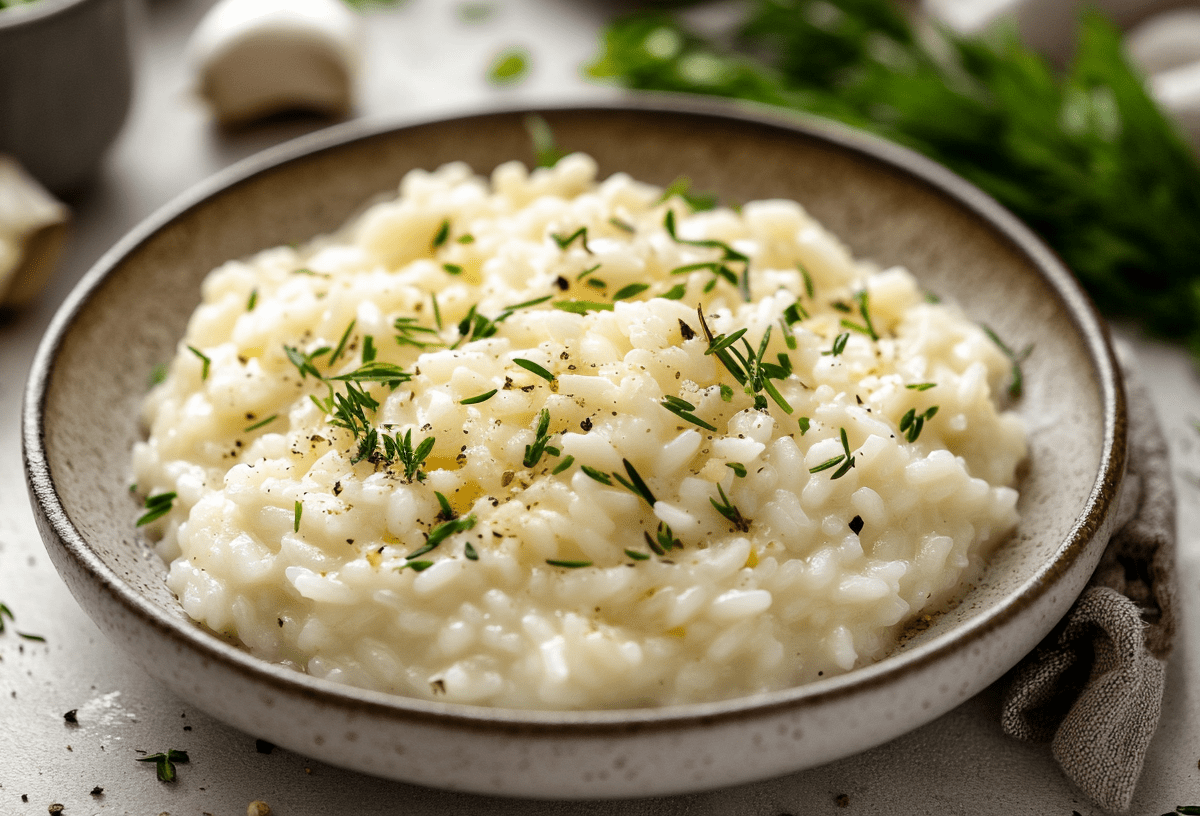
{"x": 749, "y": 369}
{"x": 475, "y": 326}
{"x": 406, "y": 327}
{"x": 157, "y": 506}
{"x": 437, "y": 313}
{"x": 306, "y": 364}
{"x": 400, "y": 449}
{"x": 376, "y": 371}
{"x": 728, "y": 254}
{"x": 683, "y": 409}
{"x": 446, "y": 511}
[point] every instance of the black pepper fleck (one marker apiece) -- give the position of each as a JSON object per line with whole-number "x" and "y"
{"x": 97, "y": 791}
{"x": 586, "y": 424}
{"x": 263, "y": 747}
{"x": 70, "y": 716}
{"x": 856, "y": 524}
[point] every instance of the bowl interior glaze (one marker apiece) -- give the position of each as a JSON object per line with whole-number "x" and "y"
{"x": 886, "y": 203}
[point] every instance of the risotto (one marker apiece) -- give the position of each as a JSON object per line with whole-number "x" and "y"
{"x": 543, "y": 441}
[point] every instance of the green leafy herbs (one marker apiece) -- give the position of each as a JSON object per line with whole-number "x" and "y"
{"x": 750, "y": 368}
{"x": 912, "y": 422}
{"x": 866, "y": 327}
{"x": 720, "y": 268}
{"x": 205, "y": 361}
{"x": 632, "y": 290}
{"x": 637, "y": 556}
{"x": 624, "y": 226}
{"x": 165, "y": 764}
{"x": 5, "y": 612}
{"x": 442, "y": 235}
{"x": 478, "y": 398}
{"x": 475, "y": 326}
{"x": 341, "y": 346}
{"x": 925, "y": 386}
{"x": 157, "y": 506}
{"x": 804, "y": 423}
{"x": 262, "y": 423}
{"x": 662, "y": 542}
{"x": 252, "y": 301}
{"x": 566, "y": 462}
{"x": 727, "y": 509}
{"x": 158, "y": 375}
{"x": 845, "y": 459}
{"x": 545, "y": 149}
{"x": 565, "y": 241}
{"x": 1016, "y": 382}
{"x": 839, "y": 345}
{"x": 568, "y": 564}
{"x": 297, "y": 512}
{"x": 683, "y": 409}
{"x": 1083, "y": 156}
{"x": 738, "y": 469}
{"x": 582, "y": 306}
{"x": 600, "y": 476}
{"x": 411, "y": 333}
{"x": 437, "y": 534}
{"x": 509, "y": 66}
{"x": 400, "y": 449}
{"x": 682, "y": 187}
{"x": 534, "y": 368}
{"x": 541, "y": 442}
{"x": 635, "y": 484}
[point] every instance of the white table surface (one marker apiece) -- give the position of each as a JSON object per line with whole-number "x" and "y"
{"x": 422, "y": 60}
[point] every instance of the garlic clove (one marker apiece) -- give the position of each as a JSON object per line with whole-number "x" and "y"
{"x": 32, "y": 232}
{"x": 254, "y": 58}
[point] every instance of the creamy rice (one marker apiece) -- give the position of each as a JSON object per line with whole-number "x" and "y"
{"x": 549, "y": 588}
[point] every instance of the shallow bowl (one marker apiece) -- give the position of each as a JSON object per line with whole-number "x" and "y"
{"x": 890, "y": 205}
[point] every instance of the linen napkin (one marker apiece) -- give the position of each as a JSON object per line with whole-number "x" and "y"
{"x": 1093, "y": 688}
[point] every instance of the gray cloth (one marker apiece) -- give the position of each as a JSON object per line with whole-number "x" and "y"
{"x": 1093, "y": 689}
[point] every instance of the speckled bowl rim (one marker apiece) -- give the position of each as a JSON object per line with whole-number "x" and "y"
{"x": 1101, "y": 500}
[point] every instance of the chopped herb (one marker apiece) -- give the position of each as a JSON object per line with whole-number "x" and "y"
{"x": 749, "y": 370}
{"x": 866, "y": 327}
{"x": 600, "y": 477}
{"x": 260, "y": 423}
{"x": 6, "y": 612}
{"x": 727, "y": 509}
{"x": 534, "y": 368}
{"x": 298, "y": 513}
{"x": 205, "y": 362}
{"x": 156, "y": 507}
{"x": 565, "y": 241}
{"x": 376, "y": 371}
{"x": 912, "y": 422}
{"x": 437, "y": 313}
{"x": 738, "y": 468}
{"x": 587, "y": 272}
{"x": 542, "y": 435}
{"x": 368, "y": 351}
{"x": 1016, "y": 384}
{"x": 581, "y": 306}
{"x": 846, "y": 460}
{"x": 676, "y": 292}
{"x": 839, "y": 344}
{"x": 636, "y": 556}
{"x": 443, "y": 531}
{"x": 632, "y": 290}
{"x": 252, "y": 301}
{"x": 563, "y": 465}
{"x": 447, "y": 512}
{"x": 556, "y": 562}
{"x": 726, "y": 393}
{"x": 622, "y": 225}
{"x": 469, "y": 552}
{"x": 416, "y": 566}
{"x": 305, "y": 363}
{"x": 341, "y": 346}
{"x": 442, "y": 234}
{"x": 920, "y": 386}
{"x": 545, "y": 149}
{"x": 509, "y": 66}
{"x": 158, "y": 374}
{"x": 452, "y": 269}
{"x": 465, "y": 238}
{"x": 478, "y": 398}
{"x": 808, "y": 281}
{"x": 718, "y": 268}
{"x": 635, "y": 483}
{"x": 681, "y": 187}
{"x": 407, "y": 327}
{"x": 304, "y": 271}
{"x": 803, "y": 422}
{"x": 400, "y": 449}
{"x": 165, "y": 763}
{"x": 664, "y": 539}
{"x": 683, "y": 409}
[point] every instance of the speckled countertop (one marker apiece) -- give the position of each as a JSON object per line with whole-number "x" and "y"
{"x": 422, "y": 59}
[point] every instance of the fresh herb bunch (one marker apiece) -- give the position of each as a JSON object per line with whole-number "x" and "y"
{"x": 1085, "y": 157}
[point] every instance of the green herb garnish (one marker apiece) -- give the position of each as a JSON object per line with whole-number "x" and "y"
{"x": 920, "y": 386}
{"x": 156, "y": 507}
{"x": 565, "y": 241}
{"x": 846, "y": 460}
{"x": 158, "y": 375}
{"x": 1016, "y": 384}
{"x": 408, "y": 331}
{"x": 260, "y": 423}
{"x": 663, "y": 541}
{"x": 727, "y": 509}
{"x": 534, "y": 368}
{"x": 636, "y": 556}
{"x": 509, "y": 66}
{"x": 738, "y": 468}
{"x": 442, "y": 234}
{"x": 165, "y": 763}
{"x": 866, "y": 327}
{"x": 541, "y": 441}
{"x": 205, "y": 362}
{"x": 683, "y": 409}
{"x": 632, "y": 290}
{"x": 478, "y": 398}
{"x": 912, "y": 422}
{"x": 682, "y": 187}
{"x": 563, "y": 465}
{"x": 635, "y": 484}
{"x": 599, "y": 476}
{"x": 839, "y": 344}
{"x": 545, "y": 150}
{"x": 557, "y": 562}
{"x": 252, "y": 301}
{"x": 299, "y": 511}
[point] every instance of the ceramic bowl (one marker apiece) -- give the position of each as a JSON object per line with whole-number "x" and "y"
{"x": 890, "y": 205}
{"x": 66, "y": 79}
